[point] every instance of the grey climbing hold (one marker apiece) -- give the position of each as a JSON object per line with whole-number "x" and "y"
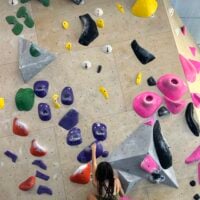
{"x": 30, "y": 65}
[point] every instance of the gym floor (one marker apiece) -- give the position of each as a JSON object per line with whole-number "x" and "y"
{"x": 118, "y": 74}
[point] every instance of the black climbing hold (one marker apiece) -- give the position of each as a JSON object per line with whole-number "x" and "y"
{"x": 196, "y": 197}
{"x": 162, "y": 111}
{"x": 151, "y": 81}
{"x": 77, "y": 2}
{"x": 99, "y": 69}
{"x": 142, "y": 54}
{"x": 90, "y": 31}
{"x": 162, "y": 150}
{"x": 192, "y": 183}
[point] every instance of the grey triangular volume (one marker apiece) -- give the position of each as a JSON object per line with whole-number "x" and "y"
{"x": 31, "y": 65}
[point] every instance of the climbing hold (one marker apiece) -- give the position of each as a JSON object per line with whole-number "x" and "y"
{"x": 191, "y": 122}
{"x": 24, "y": 1}
{"x": 41, "y": 88}
{"x": 78, "y": 1}
{"x": 107, "y": 48}
{"x": 13, "y": 2}
{"x": 2, "y": 103}
{"x": 18, "y": 27}
{"x": 196, "y": 197}
{"x": 162, "y": 111}
{"x": 156, "y": 177}
{"x": 100, "y": 23}
{"x": 82, "y": 174}
{"x": 177, "y": 31}
{"x": 199, "y": 173}
{"x": 171, "y": 12}
{"x": 99, "y": 68}
{"x": 162, "y": 149}
{"x": 74, "y": 137}
{"x": 68, "y": 46}
{"x": 65, "y": 24}
{"x": 194, "y": 156}
{"x": 172, "y": 86}
{"x": 192, "y": 183}
{"x": 196, "y": 99}
{"x": 41, "y": 175}
{"x": 151, "y": 81}
{"x": 11, "y": 155}
{"x": 70, "y": 119}
{"x": 37, "y": 150}
{"x": 42, "y": 189}
{"x": 104, "y": 92}
{"x": 22, "y": 12}
{"x": 86, "y": 64}
{"x": 138, "y": 79}
{"x": 188, "y": 68}
{"x": 120, "y": 8}
{"x": 196, "y": 64}
{"x": 99, "y": 131}
{"x": 105, "y": 154}
{"x": 24, "y": 99}
{"x": 183, "y": 30}
{"x": 146, "y": 103}
{"x": 45, "y": 3}
{"x": 142, "y": 54}
{"x": 40, "y": 164}
{"x": 28, "y": 184}
{"x": 67, "y": 96}
{"x": 34, "y": 51}
{"x": 29, "y": 65}
{"x": 55, "y": 101}
{"x": 144, "y": 8}
{"x": 20, "y": 128}
{"x": 90, "y": 31}
{"x": 98, "y": 12}
{"x": 193, "y": 50}
{"x": 150, "y": 122}
{"x": 44, "y": 111}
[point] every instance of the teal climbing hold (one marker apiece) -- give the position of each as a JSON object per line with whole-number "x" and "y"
{"x": 34, "y": 51}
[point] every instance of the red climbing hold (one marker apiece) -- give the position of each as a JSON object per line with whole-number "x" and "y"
{"x": 27, "y": 184}
{"x": 20, "y": 128}
{"x": 82, "y": 174}
{"x": 183, "y": 30}
{"x": 37, "y": 150}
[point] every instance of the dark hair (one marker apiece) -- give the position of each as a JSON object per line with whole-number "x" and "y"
{"x": 105, "y": 172}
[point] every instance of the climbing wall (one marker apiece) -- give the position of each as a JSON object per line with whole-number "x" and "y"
{"x": 119, "y": 70}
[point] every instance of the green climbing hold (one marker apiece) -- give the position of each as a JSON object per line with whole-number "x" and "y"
{"x": 18, "y": 27}
{"x": 22, "y": 12}
{"x": 45, "y": 2}
{"x": 24, "y": 99}
{"x": 24, "y": 1}
{"x": 34, "y": 51}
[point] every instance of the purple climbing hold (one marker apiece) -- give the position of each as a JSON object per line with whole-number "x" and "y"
{"x": 74, "y": 137}
{"x": 44, "y": 111}
{"x": 42, "y": 176}
{"x": 70, "y": 119}
{"x": 105, "y": 154}
{"x": 99, "y": 131}
{"x": 85, "y": 155}
{"x": 67, "y": 96}
{"x": 40, "y": 164}
{"x": 42, "y": 189}
{"x": 11, "y": 155}
{"x": 41, "y": 88}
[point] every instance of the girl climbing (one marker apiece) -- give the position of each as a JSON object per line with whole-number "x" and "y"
{"x": 108, "y": 186}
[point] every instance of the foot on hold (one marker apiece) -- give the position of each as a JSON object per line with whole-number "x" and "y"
{"x": 40, "y": 164}
{"x": 27, "y": 184}
{"x": 45, "y": 2}
{"x": 11, "y": 155}
{"x": 42, "y": 189}
{"x": 18, "y": 27}
{"x": 22, "y": 12}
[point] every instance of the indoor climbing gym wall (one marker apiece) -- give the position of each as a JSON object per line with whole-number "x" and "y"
{"x": 122, "y": 74}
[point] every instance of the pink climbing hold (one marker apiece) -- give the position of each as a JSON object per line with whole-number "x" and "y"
{"x": 150, "y": 122}
{"x": 196, "y": 99}
{"x": 188, "y": 68}
{"x": 193, "y": 50}
{"x": 195, "y": 156}
{"x": 183, "y": 30}
{"x": 175, "y": 107}
{"x": 149, "y": 164}
{"x": 199, "y": 173}
{"x": 172, "y": 86}
{"x": 146, "y": 104}
{"x": 125, "y": 198}
{"x": 196, "y": 64}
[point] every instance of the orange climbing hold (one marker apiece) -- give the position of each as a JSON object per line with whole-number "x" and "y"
{"x": 27, "y": 184}
{"x": 20, "y": 128}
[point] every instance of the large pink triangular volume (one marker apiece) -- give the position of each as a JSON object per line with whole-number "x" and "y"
{"x": 183, "y": 30}
{"x": 199, "y": 173}
{"x": 195, "y": 156}
{"x": 196, "y": 64}
{"x": 193, "y": 50}
{"x": 196, "y": 99}
{"x": 188, "y": 68}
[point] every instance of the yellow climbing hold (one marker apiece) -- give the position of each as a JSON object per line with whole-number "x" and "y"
{"x": 65, "y": 24}
{"x": 2, "y": 103}
{"x": 68, "y": 46}
{"x": 138, "y": 79}
{"x": 55, "y": 101}
{"x": 100, "y": 23}
{"x": 144, "y": 8}
{"x": 120, "y": 7}
{"x": 104, "y": 92}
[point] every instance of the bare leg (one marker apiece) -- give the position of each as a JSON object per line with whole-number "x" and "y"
{"x": 91, "y": 196}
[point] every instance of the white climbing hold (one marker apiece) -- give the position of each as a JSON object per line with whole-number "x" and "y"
{"x": 86, "y": 64}
{"x": 98, "y": 12}
{"x": 13, "y": 2}
{"x": 171, "y": 11}
{"x": 177, "y": 31}
{"x": 107, "y": 48}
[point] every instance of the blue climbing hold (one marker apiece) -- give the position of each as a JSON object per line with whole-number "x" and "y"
{"x": 67, "y": 96}
{"x": 41, "y": 88}
{"x": 74, "y": 137}
{"x": 99, "y": 131}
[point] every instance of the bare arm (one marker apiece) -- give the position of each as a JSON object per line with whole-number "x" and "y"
{"x": 94, "y": 163}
